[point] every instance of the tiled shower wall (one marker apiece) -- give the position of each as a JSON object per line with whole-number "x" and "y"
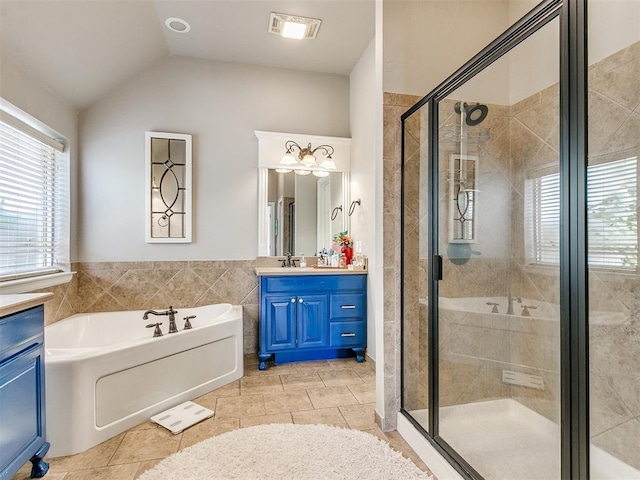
{"x": 117, "y": 286}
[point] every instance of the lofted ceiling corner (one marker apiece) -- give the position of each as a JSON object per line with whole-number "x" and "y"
{"x": 84, "y": 50}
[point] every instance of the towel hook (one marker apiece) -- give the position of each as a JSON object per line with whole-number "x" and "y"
{"x": 334, "y": 212}
{"x": 352, "y": 207}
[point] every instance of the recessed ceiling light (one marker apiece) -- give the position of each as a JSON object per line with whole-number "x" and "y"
{"x": 292, "y": 26}
{"x": 177, "y": 25}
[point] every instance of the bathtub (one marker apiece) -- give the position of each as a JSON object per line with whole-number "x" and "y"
{"x": 105, "y": 372}
{"x": 538, "y": 309}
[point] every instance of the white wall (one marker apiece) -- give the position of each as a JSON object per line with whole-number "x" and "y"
{"x": 220, "y": 104}
{"x": 25, "y": 92}
{"x": 425, "y": 41}
{"x": 365, "y": 100}
{"x": 613, "y": 25}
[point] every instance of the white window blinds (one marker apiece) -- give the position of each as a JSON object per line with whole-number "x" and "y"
{"x": 34, "y": 206}
{"x": 612, "y": 209}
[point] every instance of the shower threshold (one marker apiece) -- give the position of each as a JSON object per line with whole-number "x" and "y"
{"x": 504, "y": 439}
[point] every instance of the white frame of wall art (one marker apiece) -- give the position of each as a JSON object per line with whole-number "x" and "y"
{"x": 152, "y": 186}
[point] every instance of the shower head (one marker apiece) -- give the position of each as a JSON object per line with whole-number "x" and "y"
{"x": 474, "y": 115}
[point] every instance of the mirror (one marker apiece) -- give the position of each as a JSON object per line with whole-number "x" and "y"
{"x": 303, "y": 212}
{"x": 463, "y": 171}
{"x": 168, "y": 187}
{"x": 300, "y": 213}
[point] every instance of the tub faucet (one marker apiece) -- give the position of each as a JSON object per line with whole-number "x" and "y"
{"x": 510, "y": 304}
{"x": 172, "y": 317}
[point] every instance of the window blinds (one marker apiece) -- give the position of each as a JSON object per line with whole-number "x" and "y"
{"x": 612, "y": 215}
{"x": 33, "y": 203}
{"x": 612, "y": 209}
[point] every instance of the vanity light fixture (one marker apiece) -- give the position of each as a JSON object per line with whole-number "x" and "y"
{"x": 306, "y": 161}
{"x": 177, "y": 25}
{"x": 293, "y": 26}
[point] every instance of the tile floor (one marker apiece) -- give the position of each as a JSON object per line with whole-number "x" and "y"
{"x": 333, "y": 392}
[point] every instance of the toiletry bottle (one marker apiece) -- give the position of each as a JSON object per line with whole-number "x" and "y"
{"x": 303, "y": 261}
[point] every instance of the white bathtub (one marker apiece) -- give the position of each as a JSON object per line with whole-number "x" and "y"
{"x": 538, "y": 309}
{"x": 105, "y": 372}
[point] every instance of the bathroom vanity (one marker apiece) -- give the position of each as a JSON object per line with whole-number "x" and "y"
{"x": 22, "y": 396}
{"x": 311, "y": 314}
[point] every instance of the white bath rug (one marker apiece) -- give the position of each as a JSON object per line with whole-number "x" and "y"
{"x": 288, "y": 451}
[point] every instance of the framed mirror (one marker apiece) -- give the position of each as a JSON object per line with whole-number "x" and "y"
{"x": 299, "y": 213}
{"x": 167, "y": 187}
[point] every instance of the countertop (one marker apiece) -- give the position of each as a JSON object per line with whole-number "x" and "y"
{"x": 260, "y": 271}
{"x": 21, "y": 301}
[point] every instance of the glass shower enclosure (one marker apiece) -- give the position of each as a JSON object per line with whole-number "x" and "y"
{"x": 497, "y": 350}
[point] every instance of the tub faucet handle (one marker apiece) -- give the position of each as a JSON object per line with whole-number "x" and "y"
{"x": 157, "y": 332}
{"x": 525, "y": 310}
{"x": 495, "y": 306}
{"x": 187, "y": 323}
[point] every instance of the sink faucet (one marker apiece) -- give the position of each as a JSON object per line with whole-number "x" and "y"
{"x": 288, "y": 262}
{"x": 510, "y": 304}
{"x": 172, "y": 317}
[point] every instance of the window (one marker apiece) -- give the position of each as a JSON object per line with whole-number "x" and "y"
{"x": 612, "y": 213}
{"x": 34, "y": 201}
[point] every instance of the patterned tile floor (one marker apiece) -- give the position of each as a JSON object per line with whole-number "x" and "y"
{"x": 334, "y": 392}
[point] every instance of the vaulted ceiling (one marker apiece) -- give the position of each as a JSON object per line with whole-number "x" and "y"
{"x": 85, "y": 49}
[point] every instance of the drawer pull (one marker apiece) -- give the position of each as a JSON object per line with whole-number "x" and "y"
{"x": 348, "y": 335}
{"x": 344, "y": 307}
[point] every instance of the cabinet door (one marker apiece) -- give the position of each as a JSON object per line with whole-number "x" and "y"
{"x": 280, "y": 322}
{"x": 313, "y": 325}
{"x": 21, "y": 420}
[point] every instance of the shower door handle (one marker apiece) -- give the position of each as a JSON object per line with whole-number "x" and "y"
{"x": 437, "y": 267}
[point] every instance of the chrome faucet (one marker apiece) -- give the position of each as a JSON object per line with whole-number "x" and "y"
{"x": 510, "y": 304}
{"x": 172, "y": 317}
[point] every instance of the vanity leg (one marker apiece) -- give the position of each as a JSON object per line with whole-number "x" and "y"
{"x": 263, "y": 358}
{"x": 40, "y": 467}
{"x": 359, "y": 354}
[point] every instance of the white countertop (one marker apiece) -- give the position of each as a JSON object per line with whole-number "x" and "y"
{"x": 21, "y": 301}
{"x": 307, "y": 271}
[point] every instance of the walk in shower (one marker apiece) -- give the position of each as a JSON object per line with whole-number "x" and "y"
{"x": 511, "y": 368}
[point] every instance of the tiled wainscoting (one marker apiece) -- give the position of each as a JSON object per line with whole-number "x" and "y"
{"x": 117, "y": 286}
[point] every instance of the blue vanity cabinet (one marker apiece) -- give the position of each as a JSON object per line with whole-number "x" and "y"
{"x": 22, "y": 407}
{"x": 310, "y": 317}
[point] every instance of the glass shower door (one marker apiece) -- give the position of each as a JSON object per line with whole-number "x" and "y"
{"x": 612, "y": 223}
{"x": 498, "y": 236}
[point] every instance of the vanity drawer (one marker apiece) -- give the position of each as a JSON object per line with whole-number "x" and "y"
{"x": 19, "y": 330}
{"x": 348, "y": 305}
{"x": 347, "y": 334}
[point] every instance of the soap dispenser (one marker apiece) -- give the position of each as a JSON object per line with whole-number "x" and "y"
{"x": 303, "y": 261}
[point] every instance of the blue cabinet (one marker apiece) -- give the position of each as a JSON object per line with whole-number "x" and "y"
{"x": 310, "y": 317}
{"x": 22, "y": 407}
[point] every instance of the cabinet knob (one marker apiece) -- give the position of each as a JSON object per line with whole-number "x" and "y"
{"x": 300, "y": 300}
{"x": 293, "y": 300}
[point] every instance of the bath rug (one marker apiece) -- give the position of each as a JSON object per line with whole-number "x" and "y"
{"x": 288, "y": 451}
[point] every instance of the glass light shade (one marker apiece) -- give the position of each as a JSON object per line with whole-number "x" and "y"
{"x": 283, "y": 170}
{"x": 329, "y": 164}
{"x": 309, "y": 160}
{"x": 288, "y": 159}
{"x": 294, "y": 30}
{"x": 320, "y": 173}
{"x": 302, "y": 172}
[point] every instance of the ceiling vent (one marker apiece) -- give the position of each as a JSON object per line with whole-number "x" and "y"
{"x": 291, "y": 26}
